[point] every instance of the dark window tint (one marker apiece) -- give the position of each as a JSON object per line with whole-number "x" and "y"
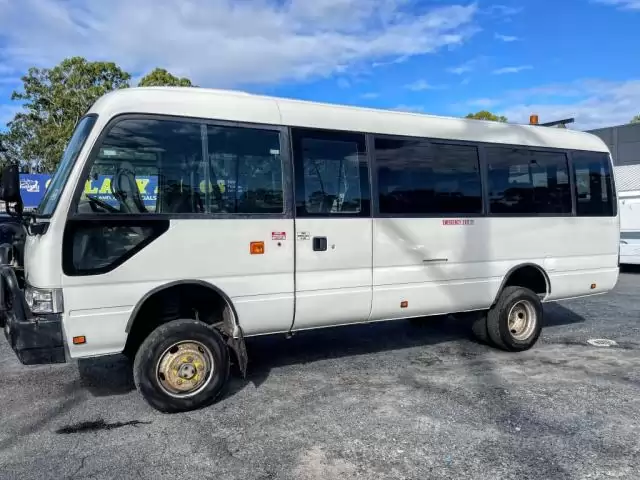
{"x": 246, "y": 171}
{"x": 167, "y": 166}
{"x": 525, "y": 182}
{"x": 594, "y": 186}
{"x": 331, "y": 174}
{"x": 419, "y": 177}
{"x": 92, "y": 247}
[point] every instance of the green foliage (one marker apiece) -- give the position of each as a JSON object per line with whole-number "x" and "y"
{"x": 159, "y": 77}
{"x": 485, "y": 115}
{"x": 635, "y": 119}
{"x": 17, "y": 143}
{"x": 53, "y": 101}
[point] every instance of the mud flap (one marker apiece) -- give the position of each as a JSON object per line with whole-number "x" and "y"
{"x": 235, "y": 340}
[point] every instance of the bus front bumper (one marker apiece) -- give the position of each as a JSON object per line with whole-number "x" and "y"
{"x": 36, "y": 339}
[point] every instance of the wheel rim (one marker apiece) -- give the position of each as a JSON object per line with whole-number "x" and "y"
{"x": 185, "y": 368}
{"x": 522, "y": 320}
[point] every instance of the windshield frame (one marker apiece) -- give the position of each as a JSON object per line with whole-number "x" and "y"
{"x": 47, "y": 206}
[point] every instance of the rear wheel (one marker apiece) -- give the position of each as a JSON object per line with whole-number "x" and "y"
{"x": 182, "y": 365}
{"x": 514, "y": 323}
{"x": 479, "y": 328}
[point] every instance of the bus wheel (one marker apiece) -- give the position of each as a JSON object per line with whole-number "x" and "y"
{"x": 479, "y": 328}
{"x": 182, "y": 365}
{"x": 514, "y": 323}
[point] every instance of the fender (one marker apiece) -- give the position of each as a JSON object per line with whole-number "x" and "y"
{"x": 229, "y": 326}
{"x": 547, "y": 281}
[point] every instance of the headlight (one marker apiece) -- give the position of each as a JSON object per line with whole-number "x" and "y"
{"x": 42, "y": 300}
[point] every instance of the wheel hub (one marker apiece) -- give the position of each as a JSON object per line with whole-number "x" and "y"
{"x": 187, "y": 371}
{"x": 185, "y": 368}
{"x": 522, "y": 320}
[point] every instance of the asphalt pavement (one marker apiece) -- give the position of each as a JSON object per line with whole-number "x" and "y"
{"x": 398, "y": 400}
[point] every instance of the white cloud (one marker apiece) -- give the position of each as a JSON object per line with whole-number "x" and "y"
{"x": 6, "y": 69}
{"x": 7, "y": 112}
{"x": 593, "y": 103}
{"x": 464, "y": 68}
{"x": 483, "y": 102}
{"x": 394, "y": 61}
{"x": 225, "y": 42}
{"x": 516, "y": 69}
{"x": 419, "y": 86}
{"x": 503, "y": 10}
{"x": 469, "y": 66}
{"x": 11, "y": 81}
{"x": 622, "y": 4}
{"x": 409, "y": 108}
{"x": 343, "y": 83}
{"x": 506, "y": 38}
{"x": 370, "y": 95}
{"x": 8, "y": 76}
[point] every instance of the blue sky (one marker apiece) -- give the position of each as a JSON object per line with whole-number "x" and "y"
{"x": 556, "y": 58}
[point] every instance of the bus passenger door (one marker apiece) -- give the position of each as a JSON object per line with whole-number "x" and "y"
{"x": 333, "y": 278}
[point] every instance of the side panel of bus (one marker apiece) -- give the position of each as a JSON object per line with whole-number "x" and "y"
{"x": 333, "y": 229}
{"x": 221, "y": 217}
{"x": 629, "y": 205}
{"x": 455, "y": 218}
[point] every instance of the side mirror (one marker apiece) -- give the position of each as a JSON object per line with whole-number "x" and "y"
{"x": 10, "y": 184}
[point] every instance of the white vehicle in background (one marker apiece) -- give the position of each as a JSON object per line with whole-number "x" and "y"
{"x": 272, "y": 216}
{"x": 628, "y": 186}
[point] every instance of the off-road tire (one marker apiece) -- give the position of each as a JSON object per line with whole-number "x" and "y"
{"x": 148, "y": 355}
{"x": 498, "y": 319}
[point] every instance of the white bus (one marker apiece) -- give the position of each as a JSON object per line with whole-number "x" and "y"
{"x": 628, "y": 187}
{"x": 181, "y": 221}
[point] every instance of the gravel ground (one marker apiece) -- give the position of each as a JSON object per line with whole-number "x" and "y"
{"x": 412, "y": 400}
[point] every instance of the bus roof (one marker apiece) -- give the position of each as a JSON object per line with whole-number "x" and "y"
{"x": 237, "y": 106}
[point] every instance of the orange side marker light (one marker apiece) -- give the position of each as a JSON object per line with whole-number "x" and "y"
{"x": 593, "y": 286}
{"x": 404, "y": 304}
{"x": 256, "y": 248}
{"x": 80, "y": 340}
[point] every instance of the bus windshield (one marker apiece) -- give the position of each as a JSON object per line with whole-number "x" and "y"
{"x": 50, "y": 200}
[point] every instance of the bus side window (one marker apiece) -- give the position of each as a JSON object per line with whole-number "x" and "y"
{"x": 528, "y": 182}
{"x": 593, "y": 184}
{"x": 420, "y": 177}
{"x": 331, "y": 175}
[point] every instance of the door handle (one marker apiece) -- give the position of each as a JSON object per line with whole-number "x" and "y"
{"x": 320, "y": 244}
{"x": 435, "y": 260}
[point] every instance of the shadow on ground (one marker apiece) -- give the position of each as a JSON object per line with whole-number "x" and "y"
{"x": 113, "y": 376}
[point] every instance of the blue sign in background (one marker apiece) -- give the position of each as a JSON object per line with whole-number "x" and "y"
{"x": 33, "y": 186}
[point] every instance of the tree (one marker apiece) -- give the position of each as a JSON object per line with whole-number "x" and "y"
{"x": 485, "y": 115}
{"x": 159, "y": 77}
{"x": 17, "y": 142}
{"x": 635, "y": 119}
{"x": 53, "y": 102}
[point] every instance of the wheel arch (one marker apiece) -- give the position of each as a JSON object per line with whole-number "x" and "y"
{"x": 180, "y": 283}
{"x": 229, "y": 325}
{"x": 512, "y": 274}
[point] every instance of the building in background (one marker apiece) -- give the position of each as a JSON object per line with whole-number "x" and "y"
{"x": 624, "y": 143}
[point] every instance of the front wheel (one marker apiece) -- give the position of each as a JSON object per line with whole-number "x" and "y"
{"x": 514, "y": 323}
{"x": 182, "y": 365}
